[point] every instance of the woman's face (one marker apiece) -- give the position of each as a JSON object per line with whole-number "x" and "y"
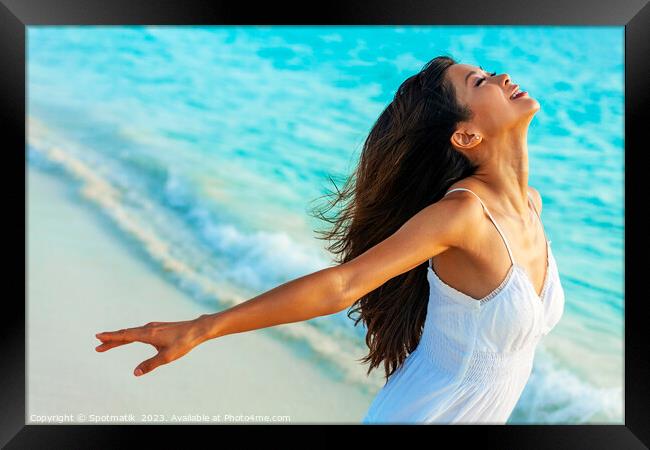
{"x": 489, "y": 99}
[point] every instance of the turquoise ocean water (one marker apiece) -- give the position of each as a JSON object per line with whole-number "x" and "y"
{"x": 206, "y": 147}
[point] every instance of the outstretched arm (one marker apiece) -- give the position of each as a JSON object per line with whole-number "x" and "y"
{"x": 316, "y": 294}
{"x": 427, "y": 233}
{"x": 449, "y": 222}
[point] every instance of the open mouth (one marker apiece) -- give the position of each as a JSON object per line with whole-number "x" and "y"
{"x": 518, "y": 94}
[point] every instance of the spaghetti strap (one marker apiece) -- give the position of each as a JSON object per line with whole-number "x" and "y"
{"x": 505, "y": 241}
{"x": 530, "y": 198}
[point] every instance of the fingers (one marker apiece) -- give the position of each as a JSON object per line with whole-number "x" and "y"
{"x": 112, "y": 339}
{"x": 108, "y": 345}
{"x": 123, "y": 336}
{"x": 150, "y": 364}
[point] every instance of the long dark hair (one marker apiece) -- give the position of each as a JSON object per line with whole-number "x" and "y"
{"x": 407, "y": 163}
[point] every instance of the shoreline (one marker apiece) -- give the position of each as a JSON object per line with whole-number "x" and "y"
{"x": 83, "y": 280}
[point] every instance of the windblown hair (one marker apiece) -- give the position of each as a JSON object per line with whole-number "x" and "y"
{"x": 407, "y": 163}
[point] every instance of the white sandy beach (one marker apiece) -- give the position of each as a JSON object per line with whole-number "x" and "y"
{"x": 82, "y": 279}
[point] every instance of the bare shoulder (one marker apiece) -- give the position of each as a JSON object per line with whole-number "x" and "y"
{"x": 449, "y": 222}
{"x": 462, "y": 212}
{"x": 537, "y": 198}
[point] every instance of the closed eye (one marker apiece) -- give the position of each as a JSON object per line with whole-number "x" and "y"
{"x": 483, "y": 79}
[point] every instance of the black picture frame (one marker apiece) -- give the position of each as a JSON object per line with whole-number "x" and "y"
{"x": 16, "y": 15}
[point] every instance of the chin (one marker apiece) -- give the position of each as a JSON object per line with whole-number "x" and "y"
{"x": 534, "y": 104}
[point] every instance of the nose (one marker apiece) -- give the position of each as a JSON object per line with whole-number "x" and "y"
{"x": 505, "y": 79}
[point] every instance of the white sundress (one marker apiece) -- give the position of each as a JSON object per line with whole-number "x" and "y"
{"x": 475, "y": 356}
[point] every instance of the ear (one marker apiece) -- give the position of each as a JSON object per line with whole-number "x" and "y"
{"x": 463, "y": 140}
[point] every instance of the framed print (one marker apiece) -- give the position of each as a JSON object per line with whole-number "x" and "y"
{"x": 378, "y": 214}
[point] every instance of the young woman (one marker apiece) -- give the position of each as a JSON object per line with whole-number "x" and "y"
{"x": 441, "y": 251}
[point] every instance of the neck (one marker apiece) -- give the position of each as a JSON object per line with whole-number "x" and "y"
{"x": 504, "y": 171}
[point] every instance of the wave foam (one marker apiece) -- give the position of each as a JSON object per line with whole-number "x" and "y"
{"x": 225, "y": 238}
